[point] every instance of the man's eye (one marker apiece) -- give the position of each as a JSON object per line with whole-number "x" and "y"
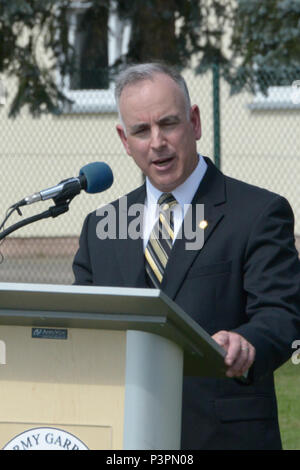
{"x": 169, "y": 124}
{"x": 141, "y": 131}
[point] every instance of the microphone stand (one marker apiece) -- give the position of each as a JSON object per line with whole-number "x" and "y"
{"x": 62, "y": 202}
{"x": 51, "y": 212}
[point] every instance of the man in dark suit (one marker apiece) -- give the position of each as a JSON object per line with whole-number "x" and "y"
{"x": 242, "y": 286}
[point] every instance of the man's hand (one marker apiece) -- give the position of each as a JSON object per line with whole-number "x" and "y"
{"x": 240, "y": 353}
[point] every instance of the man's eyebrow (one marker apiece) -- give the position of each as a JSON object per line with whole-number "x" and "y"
{"x": 137, "y": 127}
{"x": 170, "y": 118}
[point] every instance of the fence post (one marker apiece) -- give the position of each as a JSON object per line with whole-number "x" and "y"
{"x": 216, "y": 114}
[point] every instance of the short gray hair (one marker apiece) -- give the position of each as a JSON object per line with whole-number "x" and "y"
{"x": 139, "y": 72}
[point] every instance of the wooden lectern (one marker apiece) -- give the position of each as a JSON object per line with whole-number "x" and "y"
{"x": 99, "y": 366}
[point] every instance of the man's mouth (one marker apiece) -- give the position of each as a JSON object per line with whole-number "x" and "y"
{"x": 163, "y": 161}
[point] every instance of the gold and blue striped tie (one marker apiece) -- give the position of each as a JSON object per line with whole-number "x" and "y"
{"x": 160, "y": 242}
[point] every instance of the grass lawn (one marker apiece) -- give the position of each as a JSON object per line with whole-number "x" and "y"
{"x": 287, "y": 381}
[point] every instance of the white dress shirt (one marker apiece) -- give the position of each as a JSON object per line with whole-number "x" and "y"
{"x": 183, "y": 194}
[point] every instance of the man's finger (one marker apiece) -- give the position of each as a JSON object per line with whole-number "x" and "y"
{"x": 243, "y": 362}
{"x": 222, "y": 338}
{"x": 240, "y": 353}
{"x": 234, "y": 349}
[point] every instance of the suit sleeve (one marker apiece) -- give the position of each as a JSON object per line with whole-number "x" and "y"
{"x": 82, "y": 268}
{"x": 272, "y": 284}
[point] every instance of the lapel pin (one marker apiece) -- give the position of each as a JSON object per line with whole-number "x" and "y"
{"x": 203, "y": 224}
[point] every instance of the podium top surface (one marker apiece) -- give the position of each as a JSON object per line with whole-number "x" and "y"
{"x": 112, "y": 308}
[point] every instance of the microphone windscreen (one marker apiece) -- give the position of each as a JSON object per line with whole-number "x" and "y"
{"x": 99, "y": 177}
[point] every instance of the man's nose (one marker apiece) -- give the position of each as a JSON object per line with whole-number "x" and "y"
{"x": 157, "y": 139}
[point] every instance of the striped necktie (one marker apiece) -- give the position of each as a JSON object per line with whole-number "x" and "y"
{"x": 159, "y": 246}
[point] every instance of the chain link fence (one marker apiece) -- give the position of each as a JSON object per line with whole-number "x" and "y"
{"x": 260, "y": 139}
{"x": 259, "y": 143}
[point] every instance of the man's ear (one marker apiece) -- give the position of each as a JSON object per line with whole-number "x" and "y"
{"x": 196, "y": 121}
{"x": 123, "y": 138}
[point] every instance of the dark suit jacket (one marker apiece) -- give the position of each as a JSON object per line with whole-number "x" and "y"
{"x": 246, "y": 278}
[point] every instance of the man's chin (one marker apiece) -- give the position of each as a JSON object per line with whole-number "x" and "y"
{"x": 166, "y": 185}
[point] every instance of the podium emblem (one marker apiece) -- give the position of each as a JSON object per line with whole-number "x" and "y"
{"x": 45, "y": 439}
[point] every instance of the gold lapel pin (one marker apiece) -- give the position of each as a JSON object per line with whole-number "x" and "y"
{"x": 203, "y": 224}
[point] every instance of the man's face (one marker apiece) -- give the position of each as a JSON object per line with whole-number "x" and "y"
{"x": 160, "y": 134}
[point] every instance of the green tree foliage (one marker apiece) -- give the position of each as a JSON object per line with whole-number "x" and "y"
{"x": 265, "y": 44}
{"x": 262, "y": 38}
{"x": 26, "y": 28}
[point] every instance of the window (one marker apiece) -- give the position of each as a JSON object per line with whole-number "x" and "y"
{"x": 279, "y": 97}
{"x": 99, "y": 38}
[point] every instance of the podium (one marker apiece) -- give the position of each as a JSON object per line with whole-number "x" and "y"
{"x": 86, "y": 367}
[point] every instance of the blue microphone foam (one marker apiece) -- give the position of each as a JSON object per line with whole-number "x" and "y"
{"x": 99, "y": 177}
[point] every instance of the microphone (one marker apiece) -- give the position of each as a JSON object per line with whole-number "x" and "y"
{"x": 93, "y": 178}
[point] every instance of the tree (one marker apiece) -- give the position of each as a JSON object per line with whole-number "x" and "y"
{"x": 23, "y": 26}
{"x": 264, "y": 39}
{"x": 265, "y": 44}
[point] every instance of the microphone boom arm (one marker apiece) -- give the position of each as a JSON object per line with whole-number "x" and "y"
{"x": 61, "y": 207}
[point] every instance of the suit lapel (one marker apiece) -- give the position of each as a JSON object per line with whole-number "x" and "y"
{"x": 211, "y": 193}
